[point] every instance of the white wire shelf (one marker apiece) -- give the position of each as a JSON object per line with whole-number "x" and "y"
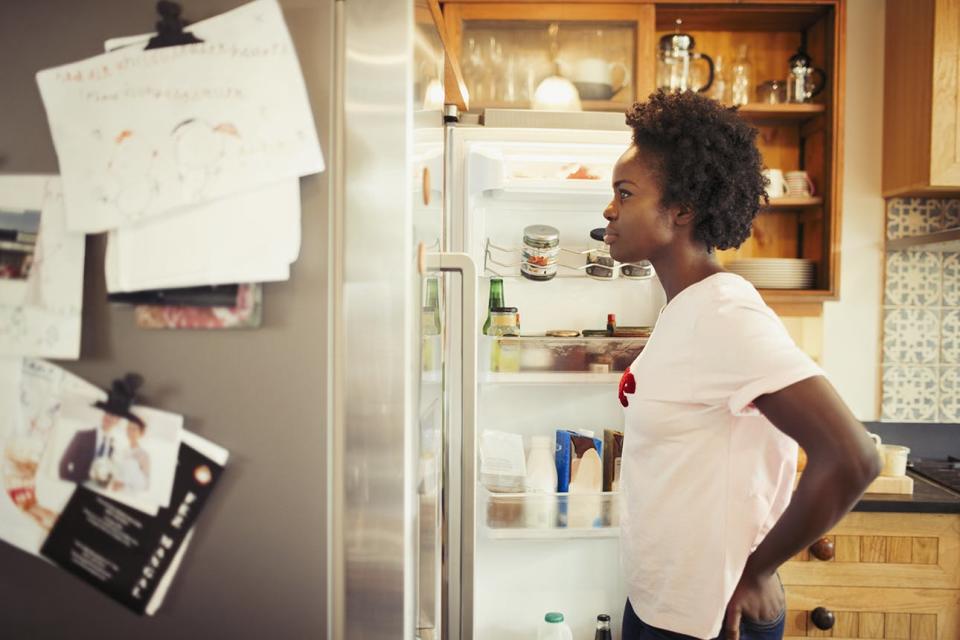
{"x": 504, "y": 262}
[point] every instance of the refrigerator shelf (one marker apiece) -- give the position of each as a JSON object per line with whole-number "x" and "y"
{"x": 552, "y": 534}
{"x": 504, "y": 262}
{"x": 550, "y": 360}
{"x": 549, "y": 378}
{"x": 526, "y": 190}
{"x": 543, "y": 516}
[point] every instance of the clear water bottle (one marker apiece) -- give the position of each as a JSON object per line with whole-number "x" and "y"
{"x": 554, "y": 628}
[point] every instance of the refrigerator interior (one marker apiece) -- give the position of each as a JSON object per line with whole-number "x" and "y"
{"x": 505, "y": 180}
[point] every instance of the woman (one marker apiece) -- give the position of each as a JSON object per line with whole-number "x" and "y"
{"x": 132, "y": 470}
{"x": 719, "y": 398}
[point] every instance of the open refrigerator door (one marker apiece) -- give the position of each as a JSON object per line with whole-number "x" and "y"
{"x": 535, "y": 553}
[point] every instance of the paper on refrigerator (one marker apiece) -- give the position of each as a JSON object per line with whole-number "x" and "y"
{"x": 248, "y": 237}
{"x": 144, "y": 133}
{"x": 40, "y": 315}
{"x": 32, "y": 394}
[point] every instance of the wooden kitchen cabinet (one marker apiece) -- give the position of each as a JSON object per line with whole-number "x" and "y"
{"x": 891, "y": 576}
{"x": 921, "y": 101}
{"x": 792, "y": 136}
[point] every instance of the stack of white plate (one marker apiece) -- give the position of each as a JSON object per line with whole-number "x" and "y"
{"x": 775, "y": 273}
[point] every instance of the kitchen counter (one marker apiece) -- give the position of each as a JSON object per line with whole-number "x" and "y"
{"x": 927, "y": 498}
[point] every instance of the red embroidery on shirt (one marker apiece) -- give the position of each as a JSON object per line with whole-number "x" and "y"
{"x": 627, "y": 385}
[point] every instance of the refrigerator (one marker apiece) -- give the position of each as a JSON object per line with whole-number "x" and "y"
{"x": 414, "y": 552}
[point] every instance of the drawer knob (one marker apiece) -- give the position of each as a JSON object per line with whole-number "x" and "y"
{"x": 822, "y": 549}
{"x": 822, "y": 618}
{"x": 425, "y": 187}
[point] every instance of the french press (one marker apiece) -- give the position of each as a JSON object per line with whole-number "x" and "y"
{"x": 800, "y": 83}
{"x": 675, "y": 72}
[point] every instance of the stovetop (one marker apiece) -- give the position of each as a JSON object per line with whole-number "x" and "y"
{"x": 944, "y": 472}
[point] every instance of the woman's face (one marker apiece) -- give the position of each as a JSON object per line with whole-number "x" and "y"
{"x": 638, "y": 228}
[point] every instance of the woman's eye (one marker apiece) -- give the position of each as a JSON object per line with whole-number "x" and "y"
{"x": 623, "y": 194}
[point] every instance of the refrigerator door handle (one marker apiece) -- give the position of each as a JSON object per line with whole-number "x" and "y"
{"x": 463, "y": 531}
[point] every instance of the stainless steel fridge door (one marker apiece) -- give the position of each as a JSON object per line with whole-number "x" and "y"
{"x": 375, "y": 318}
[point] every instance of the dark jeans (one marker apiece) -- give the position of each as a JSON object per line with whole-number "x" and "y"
{"x": 636, "y": 629}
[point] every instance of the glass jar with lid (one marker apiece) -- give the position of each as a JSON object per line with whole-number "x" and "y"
{"x": 599, "y": 263}
{"x": 541, "y": 249}
{"x": 503, "y": 321}
{"x": 504, "y": 354}
{"x": 637, "y": 270}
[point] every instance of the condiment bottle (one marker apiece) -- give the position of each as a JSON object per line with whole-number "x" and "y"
{"x": 603, "y": 628}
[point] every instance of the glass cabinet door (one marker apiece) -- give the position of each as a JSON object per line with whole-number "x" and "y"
{"x": 578, "y": 57}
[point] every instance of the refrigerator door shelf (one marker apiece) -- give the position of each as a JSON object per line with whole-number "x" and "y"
{"x": 504, "y": 262}
{"x": 543, "y": 516}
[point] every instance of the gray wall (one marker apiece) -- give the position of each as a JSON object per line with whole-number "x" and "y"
{"x": 257, "y": 566}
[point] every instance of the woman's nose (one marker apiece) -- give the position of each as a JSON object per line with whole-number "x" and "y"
{"x": 610, "y": 213}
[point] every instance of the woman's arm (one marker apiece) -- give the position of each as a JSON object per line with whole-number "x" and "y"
{"x": 842, "y": 460}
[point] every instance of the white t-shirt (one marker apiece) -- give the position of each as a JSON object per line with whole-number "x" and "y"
{"x": 704, "y": 474}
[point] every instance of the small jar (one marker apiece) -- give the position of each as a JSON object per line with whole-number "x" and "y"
{"x": 503, "y": 321}
{"x": 504, "y": 354}
{"x": 541, "y": 248}
{"x": 599, "y": 263}
{"x": 637, "y": 270}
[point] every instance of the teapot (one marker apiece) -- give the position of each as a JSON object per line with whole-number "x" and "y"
{"x": 800, "y": 84}
{"x": 675, "y": 60}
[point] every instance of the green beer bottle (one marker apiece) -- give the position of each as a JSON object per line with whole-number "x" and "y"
{"x": 496, "y": 300}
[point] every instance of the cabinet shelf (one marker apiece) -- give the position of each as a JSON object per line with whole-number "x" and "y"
{"x": 781, "y": 113}
{"x": 946, "y": 240}
{"x": 787, "y": 203}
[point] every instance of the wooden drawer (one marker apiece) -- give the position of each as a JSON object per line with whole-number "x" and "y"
{"x": 886, "y": 550}
{"x": 892, "y": 614}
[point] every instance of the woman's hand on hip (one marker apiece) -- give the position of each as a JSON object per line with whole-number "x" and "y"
{"x": 759, "y": 598}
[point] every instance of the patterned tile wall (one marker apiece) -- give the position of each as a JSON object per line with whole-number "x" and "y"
{"x": 921, "y": 317}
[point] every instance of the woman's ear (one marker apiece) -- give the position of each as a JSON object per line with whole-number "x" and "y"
{"x": 682, "y": 217}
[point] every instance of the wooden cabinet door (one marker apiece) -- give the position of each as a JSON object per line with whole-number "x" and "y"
{"x": 945, "y": 117}
{"x": 893, "y": 614}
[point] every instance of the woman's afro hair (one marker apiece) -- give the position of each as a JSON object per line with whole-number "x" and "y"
{"x": 707, "y": 161}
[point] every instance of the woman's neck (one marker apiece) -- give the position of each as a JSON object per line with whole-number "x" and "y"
{"x": 679, "y": 270}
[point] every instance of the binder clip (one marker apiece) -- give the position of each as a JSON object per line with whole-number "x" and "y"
{"x": 122, "y": 394}
{"x": 170, "y": 31}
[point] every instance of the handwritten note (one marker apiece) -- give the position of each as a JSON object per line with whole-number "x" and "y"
{"x": 40, "y": 313}
{"x": 142, "y": 133}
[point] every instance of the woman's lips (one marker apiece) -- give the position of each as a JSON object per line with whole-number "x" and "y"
{"x": 609, "y": 238}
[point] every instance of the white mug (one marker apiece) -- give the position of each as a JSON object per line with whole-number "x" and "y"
{"x": 777, "y": 187}
{"x": 799, "y": 183}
